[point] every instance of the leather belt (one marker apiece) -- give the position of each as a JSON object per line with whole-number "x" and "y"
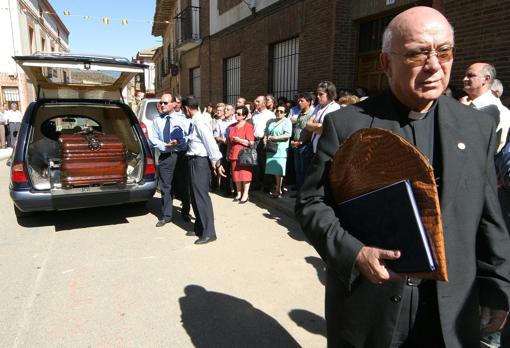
{"x": 412, "y": 281}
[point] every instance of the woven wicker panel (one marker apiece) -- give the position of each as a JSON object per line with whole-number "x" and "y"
{"x": 372, "y": 158}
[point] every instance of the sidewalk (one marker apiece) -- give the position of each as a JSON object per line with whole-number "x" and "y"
{"x": 284, "y": 205}
{"x": 5, "y": 153}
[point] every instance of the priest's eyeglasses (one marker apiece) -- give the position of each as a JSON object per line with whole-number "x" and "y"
{"x": 443, "y": 54}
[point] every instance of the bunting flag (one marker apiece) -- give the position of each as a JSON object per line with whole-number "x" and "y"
{"x": 106, "y": 20}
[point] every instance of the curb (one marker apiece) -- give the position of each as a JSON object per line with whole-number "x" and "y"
{"x": 284, "y": 205}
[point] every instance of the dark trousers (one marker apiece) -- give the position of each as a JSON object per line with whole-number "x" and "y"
{"x": 166, "y": 170}
{"x": 200, "y": 175}
{"x": 13, "y": 133}
{"x": 260, "y": 179}
{"x": 302, "y": 157}
{"x": 225, "y": 183}
{"x": 181, "y": 185}
{"x": 504, "y": 201}
{"x": 419, "y": 324}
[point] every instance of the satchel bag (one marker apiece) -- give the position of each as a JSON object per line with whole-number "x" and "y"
{"x": 271, "y": 146}
{"x": 247, "y": 157}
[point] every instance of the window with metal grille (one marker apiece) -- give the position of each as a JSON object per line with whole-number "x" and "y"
{"x": 370, "y": 34}
{"x": 283, "y": 68}
{"x": 10, "y": 94}
{"x": 194, "y": 82}
{"x": 231, "y": 79}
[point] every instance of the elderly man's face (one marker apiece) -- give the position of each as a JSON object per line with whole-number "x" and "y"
{"x": 417, "y": 84}
{"x": 229, "y": 111}
{"x": 260, "y": 103}
{"x": 475, "y": 82}
{"x": 165, "y": 104}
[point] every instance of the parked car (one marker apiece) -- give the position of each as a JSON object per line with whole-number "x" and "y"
{"x": 147, "y": 111}
{"x": 78, "y": 95}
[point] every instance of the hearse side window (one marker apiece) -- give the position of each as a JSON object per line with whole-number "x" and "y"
{"x": 70, "y": 124}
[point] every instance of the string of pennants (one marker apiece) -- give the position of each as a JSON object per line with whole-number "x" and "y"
{"x": 105, "y": 20}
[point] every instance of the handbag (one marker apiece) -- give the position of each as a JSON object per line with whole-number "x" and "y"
{"x": 248, "y": 157}
{"x": 271, "y": 146}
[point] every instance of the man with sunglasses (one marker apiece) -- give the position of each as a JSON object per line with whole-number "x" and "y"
{"x": 170, "y": 137}
{"x": 368, "y": 305}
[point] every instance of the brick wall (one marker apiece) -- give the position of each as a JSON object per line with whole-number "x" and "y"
{"x": 482, "y": 33}
{"x": 310, "y": 20}
{"x": 344, "y": 67}
{"x": 328, "y": 34}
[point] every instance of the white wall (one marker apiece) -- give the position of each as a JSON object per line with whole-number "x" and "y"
{"x": 232, "y": 16}
{"x": 9, "y": 26}
{"x": 150, "y": 76}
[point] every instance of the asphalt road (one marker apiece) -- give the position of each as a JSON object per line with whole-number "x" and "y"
{"x": 108, "y": 277}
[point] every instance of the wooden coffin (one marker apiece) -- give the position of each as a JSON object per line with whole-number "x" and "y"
{"x": 91, "y": 158}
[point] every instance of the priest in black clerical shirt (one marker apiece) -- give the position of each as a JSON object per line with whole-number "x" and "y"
{"x": 368, "y": 305}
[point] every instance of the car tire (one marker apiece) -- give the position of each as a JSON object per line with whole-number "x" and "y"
{"x": 21, "y": 214}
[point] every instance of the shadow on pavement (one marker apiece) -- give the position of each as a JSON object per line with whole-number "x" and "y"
{"x": 89, "y": 217}
{"x": 319, "y": 266}
{"x": 309, "y": 321}
{"x": 213, "y": 319}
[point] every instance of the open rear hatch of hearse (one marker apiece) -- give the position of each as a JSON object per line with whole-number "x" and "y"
{"x": 77, "y": 121}
{"x": 68, "y": 76}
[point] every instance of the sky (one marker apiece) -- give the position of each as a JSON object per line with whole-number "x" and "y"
{"x": 92, "y": 36}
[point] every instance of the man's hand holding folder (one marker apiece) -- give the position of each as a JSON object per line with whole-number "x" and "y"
{"x": 370, "y": 262}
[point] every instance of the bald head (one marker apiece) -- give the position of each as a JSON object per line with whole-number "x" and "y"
{"x": 417, "y": 56}
{"x": 478, "y": 79}
{"x": 414, "y": 17}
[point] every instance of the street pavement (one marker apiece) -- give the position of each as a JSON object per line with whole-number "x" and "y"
{"x": 5, "y": 153}
{"x": 107, "y": 277}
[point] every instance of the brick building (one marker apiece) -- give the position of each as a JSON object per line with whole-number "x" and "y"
{"x": 220, "y": 49}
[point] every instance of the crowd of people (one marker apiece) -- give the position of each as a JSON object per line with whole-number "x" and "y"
{"x": 295, "y": 141}
{"x": 281, "y": 130}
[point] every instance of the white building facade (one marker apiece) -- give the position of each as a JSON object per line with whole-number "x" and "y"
{"x": 27, "y": 26}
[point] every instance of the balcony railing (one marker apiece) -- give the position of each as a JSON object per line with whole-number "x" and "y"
{"x": 188, "y": 28}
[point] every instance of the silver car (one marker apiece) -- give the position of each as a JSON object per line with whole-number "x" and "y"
{"x": 75, "y": 94}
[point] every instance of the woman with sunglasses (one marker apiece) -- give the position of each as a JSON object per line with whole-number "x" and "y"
{"x": 240, "y": 135}
{"x": 279, "y": 131}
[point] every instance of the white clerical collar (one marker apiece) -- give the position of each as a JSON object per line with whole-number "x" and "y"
{"x": 415, "y": 115}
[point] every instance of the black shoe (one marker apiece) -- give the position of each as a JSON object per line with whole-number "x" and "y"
{"x": 162, "y": 222}
{"x": 236, "y": 199}
{"x": 205, "y": 240}
{"x": 242, "y": 202}
{"x": 186, "y": 217}
{"x": 190, "y": 234}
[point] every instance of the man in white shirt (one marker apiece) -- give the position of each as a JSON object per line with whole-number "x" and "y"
{"x": 2, "y": 127}
{"x": 201, "y": 154}
{"x": 477, "y": 84}
{"x": 260, "y": 119}
{"x": 13, "y": 117}
{"x": 225, "y": 184}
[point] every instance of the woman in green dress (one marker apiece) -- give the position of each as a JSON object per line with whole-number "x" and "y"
{"x": 278, "y": 130}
